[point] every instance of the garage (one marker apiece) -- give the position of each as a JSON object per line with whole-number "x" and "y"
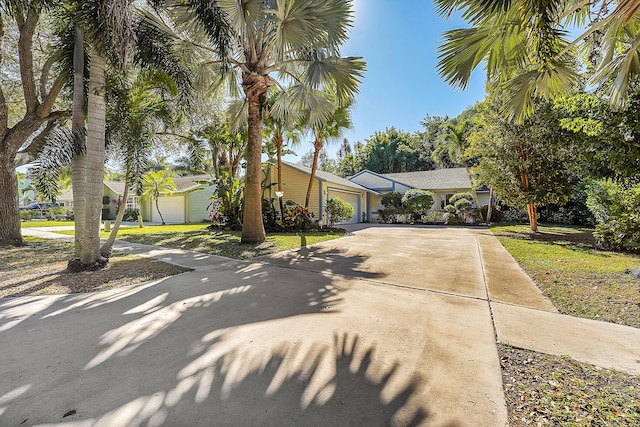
{"x": 352, "y": 198}
{"x": 172, "y": 208}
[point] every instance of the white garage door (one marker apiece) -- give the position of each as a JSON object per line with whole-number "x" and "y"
{"x": 172, "y": 208}
{"x": 350, "y": 198}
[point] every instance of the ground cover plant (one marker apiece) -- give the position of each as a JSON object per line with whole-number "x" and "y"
{"x": 31, "y": 224}
{"x": 545, "y": 390}
{"x": 198, "y": 237}
{"x": 580, "y": 280}
{"x": 38, "y": 268}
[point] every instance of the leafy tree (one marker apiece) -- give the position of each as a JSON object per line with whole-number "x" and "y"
{"x": 22, "y": 137}
{"x": 394, "y": 151}
{"x": 528, "y": 164}
{"x": 297, "y": 41}
{"x": 325, "y": 162}
{"x": 155, "y": 184}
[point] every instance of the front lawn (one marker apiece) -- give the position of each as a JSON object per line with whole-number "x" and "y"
{"x": 197, "y": 237}
{"x": 580, "y": 280}
{"x": 38, "y": 268}
{"x": 45, "y": 223}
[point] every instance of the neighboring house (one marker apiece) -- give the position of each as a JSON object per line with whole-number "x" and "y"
{"x": 188, "y": 203}
{"x": 295, "y": 180}
{"x": 443, "y": 183}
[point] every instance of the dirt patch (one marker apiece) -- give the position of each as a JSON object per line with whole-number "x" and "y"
{"x": 544, "y": 390}
{"x": 38, "y": 268}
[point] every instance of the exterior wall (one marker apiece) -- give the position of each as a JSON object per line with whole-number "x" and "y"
{"x": 294, "y": 187}
{"x": 373, "y": 206}
{"x": 198, "y": 205}
{"x": 172, "y": 208}
{"x": 106, "y": 191}
{"x": 483, "y": 198}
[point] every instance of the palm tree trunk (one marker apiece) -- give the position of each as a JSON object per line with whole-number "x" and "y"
{"x": 252, "y": 225}
{"x": 279, "y": 156}
{"x": 77, "y": 124}
{"x": 317, "y": 147}
{"x": 90, "y": 251}
{"x": 106, "y": 248}
{"x": 159, "y": 213}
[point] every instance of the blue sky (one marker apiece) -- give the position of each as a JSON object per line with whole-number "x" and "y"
{"x": 399, "y": 39}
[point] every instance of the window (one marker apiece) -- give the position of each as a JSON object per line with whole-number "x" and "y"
{"x": 444, "y": 200}
{"x": 133, "y": 202}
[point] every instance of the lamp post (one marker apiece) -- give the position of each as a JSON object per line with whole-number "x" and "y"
{"x": 279, "y": 195}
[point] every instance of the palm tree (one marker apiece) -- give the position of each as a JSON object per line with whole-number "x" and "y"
{"x": 155, "y": 184}
{"x": 296, "y": 41}
{"x": 454, "y": 142}
{"x": 331, "y": 128}
{"x": 281, "y": 126}
{"x": 526, "y": 49}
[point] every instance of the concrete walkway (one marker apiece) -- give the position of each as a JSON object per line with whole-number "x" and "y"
{"x": 388, "y": 326}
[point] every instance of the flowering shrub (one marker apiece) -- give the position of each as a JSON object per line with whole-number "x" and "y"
{"x": 297, "y": 218}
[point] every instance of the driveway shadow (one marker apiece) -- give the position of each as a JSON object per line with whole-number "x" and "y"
{"x": 241, "y": 343}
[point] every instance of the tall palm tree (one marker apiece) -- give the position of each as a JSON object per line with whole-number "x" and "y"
{"x": 526, "y": 48}
{"x": 155, "y": 184}
{"x": 454, "y": 142}
{"x": 331, "y": 128}
{"x": 276, "y": 42}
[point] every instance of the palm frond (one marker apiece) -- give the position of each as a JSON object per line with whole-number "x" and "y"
{"x": 346, "y": 73}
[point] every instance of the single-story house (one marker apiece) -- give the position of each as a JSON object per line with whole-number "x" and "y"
{"x": 188, "y": 203}
{"x": 443, "y": 183}
{"x": 295, "y": 181}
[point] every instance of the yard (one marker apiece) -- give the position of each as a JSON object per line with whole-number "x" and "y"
{"x": 580, "y": 280}
{"x": 197, "y": 237}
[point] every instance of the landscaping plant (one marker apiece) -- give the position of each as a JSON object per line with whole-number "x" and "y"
{"x": 338, "y": 210}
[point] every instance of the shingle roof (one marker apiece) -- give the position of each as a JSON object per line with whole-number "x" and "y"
{"x": 439, "y": 179}
{"x": 328, "y": 177}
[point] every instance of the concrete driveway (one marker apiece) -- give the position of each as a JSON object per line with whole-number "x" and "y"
{"x": 388, "y": 326}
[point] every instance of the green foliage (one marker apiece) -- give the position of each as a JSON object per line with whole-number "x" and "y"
{"x": 417, "y": 202}
{"x": 58, "y": 213}
{"x": 459, "y": 208}
{"x": 130, "y": 215}
{"x": 297, "y": 218}
{"x": 615, "y": 209}
{"x": 226, "y": 208}
{"x": 433, "y": 217}
{"x": 391, "y": 200}
{"x": 393, "y": 207}
{"x": 395, "y": 151}
{"x": 338, "y": 210}
{"x": 28, "y": 214}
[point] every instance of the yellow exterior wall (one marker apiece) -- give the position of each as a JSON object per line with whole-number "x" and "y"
{"x": 294, "y": 187}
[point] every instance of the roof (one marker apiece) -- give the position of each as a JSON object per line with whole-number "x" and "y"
{"x": 328, "y": 177}
{"x": 438, "y": 179}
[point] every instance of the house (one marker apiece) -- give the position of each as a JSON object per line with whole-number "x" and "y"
{"x": 295, "y": 180}
{"x": 188, "y": 203}
{"x": 443, "y": 183}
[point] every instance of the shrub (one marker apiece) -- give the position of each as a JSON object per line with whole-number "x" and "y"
{"x": 130, "y": 215}
{"x": 515, "y": 215}
{"x": 417, "y": 202}
{"x": 496, "y": 214}
{"x": 297, "y": 218}
{"x": 59, "y": 213}
{"x": 615, "y": 209}
{"x": 27, "y": 214}
{"x": 393, "y": 199}
{"x": 460, "y": 208}
{"x": 392, "y": 203}
{"x": 433, "y": 217}
{"x": 269, "y": 215}
{"x": 338, "y": 210}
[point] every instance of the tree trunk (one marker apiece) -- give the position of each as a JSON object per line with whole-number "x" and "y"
{"x": 10, "y": 233}
{"x": 106, "y": 248}
{"x": 159, "y": 213}
{"x": 252, "y": 225}
{"x": 317, "y": 147}
{"x": 474, "y": 193}
{"x": 90, "y": 251}
{"x": 279, "y": 157}
{"x": 490, "y": 208}
{"x": 532, "y": 210}
{"x": 79, "y": 132}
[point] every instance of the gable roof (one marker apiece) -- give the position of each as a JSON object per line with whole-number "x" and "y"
{"x": 438, "y": 179}
{"x": 328, "y": 177}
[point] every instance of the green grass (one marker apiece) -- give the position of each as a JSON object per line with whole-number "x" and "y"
{"x": 39, "y": 223}
{"x": 197, "y": 237}
{"x": 579, "y": 280}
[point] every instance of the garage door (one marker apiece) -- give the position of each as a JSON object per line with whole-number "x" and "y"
{"x": 172, "y": 208}
{"x": 350, "y": 198}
